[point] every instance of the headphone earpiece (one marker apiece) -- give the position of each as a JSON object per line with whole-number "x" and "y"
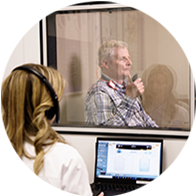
{"x": 50, "y": 113}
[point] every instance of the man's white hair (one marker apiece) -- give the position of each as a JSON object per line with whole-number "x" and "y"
{"x": 107, "y": 49}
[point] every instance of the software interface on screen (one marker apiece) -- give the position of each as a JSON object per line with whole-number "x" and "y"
{"x": 128, "y": 160}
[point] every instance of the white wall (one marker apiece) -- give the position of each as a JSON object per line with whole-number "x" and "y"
{"x": 20, "y": 44}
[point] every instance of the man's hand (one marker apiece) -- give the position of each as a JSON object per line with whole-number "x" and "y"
{"x": 134, "y": 89}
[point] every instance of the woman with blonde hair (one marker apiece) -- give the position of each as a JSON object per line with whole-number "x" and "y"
{"x": 29, "y": 98}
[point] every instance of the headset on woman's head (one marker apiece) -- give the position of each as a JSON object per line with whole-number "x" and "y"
{"x": 53, "y": 110}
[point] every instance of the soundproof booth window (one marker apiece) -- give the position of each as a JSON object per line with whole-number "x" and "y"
{"x": 73, "y": 41}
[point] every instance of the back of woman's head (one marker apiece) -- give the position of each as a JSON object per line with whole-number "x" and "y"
{"x": 25, "y": 100}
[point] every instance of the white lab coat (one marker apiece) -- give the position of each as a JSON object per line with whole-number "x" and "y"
{"x": 63, "y": 168}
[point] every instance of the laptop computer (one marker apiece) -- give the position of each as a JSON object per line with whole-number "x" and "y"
{"x": 123, "y": 165}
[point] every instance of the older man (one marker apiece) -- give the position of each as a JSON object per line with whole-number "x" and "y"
{"x": 111, "y": 100}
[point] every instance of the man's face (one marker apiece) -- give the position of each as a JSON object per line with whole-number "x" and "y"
{"x": 119, "y": 65}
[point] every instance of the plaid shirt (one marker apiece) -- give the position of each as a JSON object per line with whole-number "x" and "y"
{"x": 106, "y": 106}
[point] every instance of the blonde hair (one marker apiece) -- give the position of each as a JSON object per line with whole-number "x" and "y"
{"x": 107, "y": 49}
{"x": 25, "y": 99}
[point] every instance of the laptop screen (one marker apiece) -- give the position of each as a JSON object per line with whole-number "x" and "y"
{"x": 128, "y": 159}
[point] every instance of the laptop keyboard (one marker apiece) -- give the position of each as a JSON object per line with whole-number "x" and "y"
{"x": 115, "y": 187}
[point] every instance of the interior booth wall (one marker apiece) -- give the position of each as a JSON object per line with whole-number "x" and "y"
{"x": 20, "y": 44}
